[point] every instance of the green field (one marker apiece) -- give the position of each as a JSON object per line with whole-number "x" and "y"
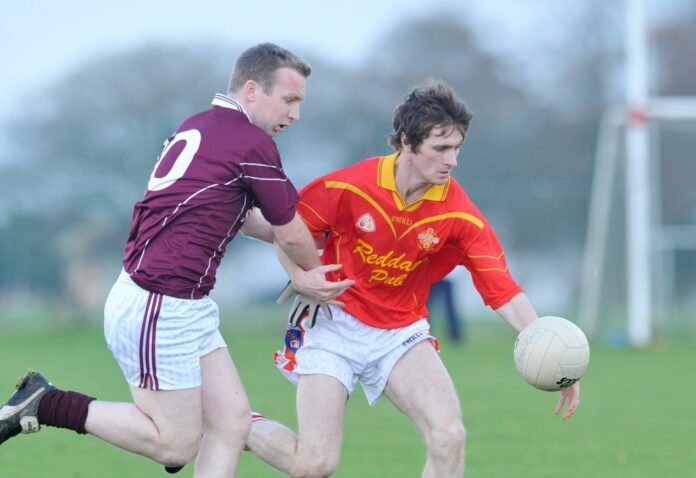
{"x": 637, "y": 418}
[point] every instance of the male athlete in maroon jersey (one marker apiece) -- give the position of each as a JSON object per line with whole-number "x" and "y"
{"x": 195, "y": 203}
{"x": 160, "y": 324}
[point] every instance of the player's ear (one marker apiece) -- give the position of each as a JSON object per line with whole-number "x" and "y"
{"x": 405, "y": 146}
{"x": 251, "y": 90}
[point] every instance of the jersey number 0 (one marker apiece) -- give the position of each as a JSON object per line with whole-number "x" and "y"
{"x": 192, "y": 138}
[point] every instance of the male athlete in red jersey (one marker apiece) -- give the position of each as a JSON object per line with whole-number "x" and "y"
{"x": 160, "y": 323}
{"x": 397, "y": 224}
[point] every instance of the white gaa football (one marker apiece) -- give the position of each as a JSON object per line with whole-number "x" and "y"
{"x": 551, "y": 353}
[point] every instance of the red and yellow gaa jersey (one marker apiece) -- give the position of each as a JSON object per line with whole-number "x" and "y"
{"x": 396, "y": 251}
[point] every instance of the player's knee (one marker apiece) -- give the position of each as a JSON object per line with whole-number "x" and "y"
{"x": 316, "y": 466}
{"x": 242, "y": 426}
{"x": 447, "y": 439}
{"x": 239, "y": 428}
{"x": 232, "y": 427}
{"x": 178, "y": 450}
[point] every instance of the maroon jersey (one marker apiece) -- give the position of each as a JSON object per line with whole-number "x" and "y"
{"x": 214, "y": 168}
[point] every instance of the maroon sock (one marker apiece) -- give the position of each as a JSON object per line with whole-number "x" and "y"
{"x": 64, "y": 410}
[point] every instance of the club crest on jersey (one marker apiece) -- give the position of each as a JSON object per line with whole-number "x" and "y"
{"x": 366, "y": 223}
{"x": 427, "y": 239}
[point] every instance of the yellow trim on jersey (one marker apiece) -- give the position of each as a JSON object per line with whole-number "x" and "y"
{"x": 413, "y": 206}
{"x": 385, "y": 171}
{"x": 401, "y": 204}
{"x": 338, "y": 249}
{"x": 488, "y": 257}
{"x": 450, "y": 215}
{"x": 314, "y": 211}
{"x": 437, "y": 192}
{"x": 387, "y": 180}
{"x": 364, "y": 195}
{"x": 398, "y": 200}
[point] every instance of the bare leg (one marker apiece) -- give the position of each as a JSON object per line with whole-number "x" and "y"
{"x": 167, "y": 425}
{"x": 421, "y": 388}
{"x": 315, "y": 451}
{"x": 162, "y": 425}
{"x": 226, "y": 416}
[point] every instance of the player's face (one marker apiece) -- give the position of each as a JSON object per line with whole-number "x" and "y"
{"x": 276, "y": 111}
{"x": 437, "y": 155}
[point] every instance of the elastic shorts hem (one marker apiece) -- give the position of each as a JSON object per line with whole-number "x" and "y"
{"x": 349, "y": 351}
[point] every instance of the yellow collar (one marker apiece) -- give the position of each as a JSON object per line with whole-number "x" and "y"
{"x": 387, "y": 180}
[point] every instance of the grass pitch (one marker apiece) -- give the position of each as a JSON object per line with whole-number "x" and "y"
{"x": 637, "y": 417}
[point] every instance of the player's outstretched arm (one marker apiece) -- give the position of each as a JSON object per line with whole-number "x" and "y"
{"x": 518, "y": 312}
{"x": 257, "y": 227}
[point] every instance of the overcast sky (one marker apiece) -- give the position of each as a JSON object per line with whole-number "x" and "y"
{"x": 41, "y": 40}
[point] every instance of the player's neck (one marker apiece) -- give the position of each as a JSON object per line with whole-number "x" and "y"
{"x": 410, "y": 185}
{"x": 239, "y": 98}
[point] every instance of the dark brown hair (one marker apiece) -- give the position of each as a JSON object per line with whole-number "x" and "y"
{"x": 434, "y": 105}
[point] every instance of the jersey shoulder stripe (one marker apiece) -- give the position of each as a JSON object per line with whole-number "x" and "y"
{"x": 365, "y": 196}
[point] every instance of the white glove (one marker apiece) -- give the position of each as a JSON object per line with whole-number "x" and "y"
{"x": 302, "y": 306}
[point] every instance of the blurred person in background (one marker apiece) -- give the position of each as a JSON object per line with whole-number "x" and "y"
{"x": 160, "y": 324}
{"x": 397, "y": 224}
{"x": 442, "y": 291}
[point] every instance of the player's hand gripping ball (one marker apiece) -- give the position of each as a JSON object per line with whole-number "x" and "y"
{"x": 551, "y": 353}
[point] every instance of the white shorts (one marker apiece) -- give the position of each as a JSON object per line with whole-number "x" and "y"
{"x": 349, "y": 350}
{"x": 158, "y": 340}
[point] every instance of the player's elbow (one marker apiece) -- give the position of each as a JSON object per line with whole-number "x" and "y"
{"x": 289, "y": 242}
{"x": 292, "y": 238}
{"x": 258, "y": 234}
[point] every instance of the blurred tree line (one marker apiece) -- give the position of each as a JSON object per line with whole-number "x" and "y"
{"x": 84, "y": 148}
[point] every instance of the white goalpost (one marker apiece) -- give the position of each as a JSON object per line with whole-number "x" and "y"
{"x": 643, "y": 236}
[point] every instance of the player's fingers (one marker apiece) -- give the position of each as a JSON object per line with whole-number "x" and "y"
{"x": 313, "y": 319}
{"x": 559, "y": 405}
{"x": 327, "y": 311}
{"x": 286, "y": 293}
{"x": 327, "y": 294}
{"x": 293, "y": 316}
{"x": 572, "y": 406}
{"x": 329, "y": 267}
{"x": 291, "y": 319}
{"x": 341, "y": 286}
{"x": 303, "y": 313}
{"x": 334, "y": 289}
{"x": 298, "y": 311}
